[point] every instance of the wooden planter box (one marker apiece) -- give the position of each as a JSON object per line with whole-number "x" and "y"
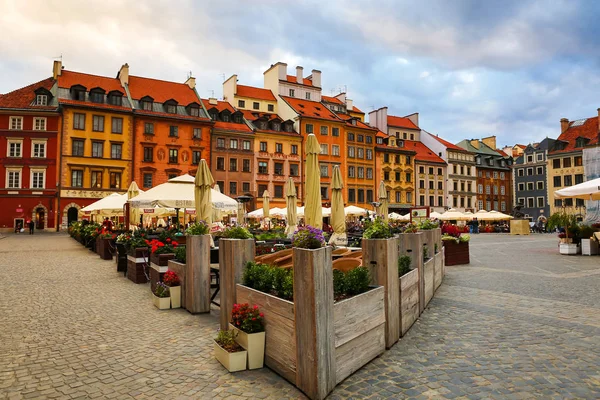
{"x": 234, "y": 254}
{"x": 589, "y": 247}
{"x": 179, "y": 269}
{"x": 428, "y": 273}
{"x": 455, "y": 253}
{"x": 196, "y": 282}
{"x": 121, "y": 258}
{"x": 438, "y": 269}
{"x": 411, "y": 244}
{"x": 409, "y": 300}
{"x": 103, "y": 248}
{"x": 137, "y": 260}
{"x": 159, "y": 264}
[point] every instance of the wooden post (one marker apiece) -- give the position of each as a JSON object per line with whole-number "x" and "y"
{"x": 197, "y": 274}
{"x": 179, "y": 269}
{"x": 411, "y": 244}
{"x": 234, "y": 254}
{"x": 380, "y": 256}
{"x": 315, "y": 334}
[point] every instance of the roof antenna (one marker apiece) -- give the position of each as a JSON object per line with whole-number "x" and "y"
{"x": 212, "y": 93}
{"x": 189, "y": 75}
{"x": 223, "y": 76}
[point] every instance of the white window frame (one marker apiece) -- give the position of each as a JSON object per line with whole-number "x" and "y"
{"x": 480, "y": 204}
{"x": 539, "y": 185}
{"x": 502, "y": 206}
{"x": 335, "y": 150}
{"x": 40, "y": 119}
{"x": 521, "y": 186}
{"x": 540, "y": 156}
{"x": 37, "y": 170}
{"x": 39, "y": 141}
{"x": 14, "y": 169}
{"x": 15, "y": 141}
{"x": 18, "y": 123}
{"x": 41, "y": 100}
{"x": 324, "y": 149}
{"x": 532, "y": 202}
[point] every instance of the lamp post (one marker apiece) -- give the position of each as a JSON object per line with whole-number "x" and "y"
{"x": 375, "y": 205}
{"x": 242, "y": 200}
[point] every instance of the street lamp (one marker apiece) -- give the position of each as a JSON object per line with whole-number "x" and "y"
{"x": 242, "y": 200}
{"x": 375, "y": 205}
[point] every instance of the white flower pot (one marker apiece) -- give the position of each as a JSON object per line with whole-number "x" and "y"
{"x": 162, "y": 303}
{"x": 175, "y": 296}
{"x": 568, "y": 248}
{"x": 232, "y": 361}
{"x": 254, "y": 343}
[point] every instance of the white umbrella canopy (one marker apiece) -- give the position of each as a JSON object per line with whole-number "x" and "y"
{"x": 435, "y": 214}
{"x": 497, "y": 215}
{"x": 275, "y": 212}
{"x": 134, "y": 214}
{"x": 354, "y": 210}
{"x": 405, "y": 217}
{"x": 179, "y": 193}
{"x": 589, "y": 190}
{"x": 394, "y": 216}
{"x": 109, "y": 205}
{"x": 452, "y": 215}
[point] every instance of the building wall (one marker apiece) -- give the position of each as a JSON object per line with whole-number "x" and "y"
{"x": 462, "y": 171}
{"x": 431, "y": 185}
{"x": 530, "y": 184}
{"x": 364, "y": 189}
{"x": 575, "y": 169}
{"x": 494, "y": 177}
{"x": 401, "y": 191}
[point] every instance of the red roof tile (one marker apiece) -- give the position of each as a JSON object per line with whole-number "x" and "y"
{"x": 168, "y": 115}
{"x": 401, "y": 122}
{"x": 255, "y": 93}
{"x": 23, "y": 97}
{"x": 232, "y": 126}
{"x": 356, "y": 110}
{"x": 502, "y": 153}
{"x": 521, "y": 146}
{"x": 359, "y": 123}
{"x": 382, "y": 135}
{"x": 449, "y": 145}
{"x": 221, "y": 105}
{"x": 254, "y": 115}
{"x": 71, "y": 78}
{"x": 589, "y": 130}
{"x": 424, "y": 153}
{"x": 311, "y": 109}
{"x": 95, "y": 105}
{"x": 161, "y": 91}
{"x": 292, "y": 79}
{"x": 330, "y": 99}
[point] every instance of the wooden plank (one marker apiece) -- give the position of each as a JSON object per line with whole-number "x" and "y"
{"x": 409, "y": 300}
{"x": 313, "y": 307}
{"x": 351, "y": 356}
{"x": 357, "y": 315}
{"x": 437, "y": 272}
{"x": 197, "y": 274}
{"x": 234, "y": 254}
{"x": 381, "y": 257}
{"x": 179, "y": 269}
{"x": 428, "y": 269}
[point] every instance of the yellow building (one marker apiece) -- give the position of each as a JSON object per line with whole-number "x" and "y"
{"x": 248, "y": 97}
{"x": 97, "y": 138}
{"x": 395, "y": 165}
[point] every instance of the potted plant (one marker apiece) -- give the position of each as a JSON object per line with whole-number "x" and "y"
{"x": 172, "y": 281}
{"x": 161, "y": 296}
{"x": 236, "y": 232}
{"x": 229, "y": 353}
{"x": 248, "y": 324}
{"x": 456, "y": 248}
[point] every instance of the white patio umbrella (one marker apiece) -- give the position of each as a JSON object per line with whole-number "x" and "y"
{"x": 354, "y": 210}
{"x": 405, "y": 217}
{"x": 383, "y": 200}
{"x": 134, "y": 213}
{"x": 589, "y": 190}
{"x": 394, "y": 216}
{"x": 314, "y": 209}
{"x": 110, "y": 205}
{"x": 435, "y": 215}
{"x": 498, "y": 216}
{"x": 338, "y": 218}
{"x": 452, "y": 215}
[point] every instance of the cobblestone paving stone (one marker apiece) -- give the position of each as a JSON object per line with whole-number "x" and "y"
{"x": 519, "y": 322}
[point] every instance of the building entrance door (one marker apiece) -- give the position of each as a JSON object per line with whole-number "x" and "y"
{"x": 71, "y": 215}
{"x": 39, "y": 218}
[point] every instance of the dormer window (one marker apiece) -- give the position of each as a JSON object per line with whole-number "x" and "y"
{"x": 478, "y": 160}
{"x": 379, "y": 140}
{"x": 213, "y": 114}
{"x": 491, "y": 162}
{"x": 276, "y": 126}
{"x": 146, "y": 103}
{"x": 78, "y": 92}
{"x": 287, "y": 127}
{"x": 400, "y": 143}
{"x": 581, "y": 142}
{"x": 115, "y": 98}
{"x": 171, "y": 106}
{"x": 503, "y": 163}
{"x": 237, "y": 118}
{"x": 226, "y": 118}
{"x": 353, "y": 122}
{"x": 97, "y": 95}
{"x": 41, "y": 100}
{"x": 195, "y": 111}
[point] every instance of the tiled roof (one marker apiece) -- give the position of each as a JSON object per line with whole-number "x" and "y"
{"x": 424, "y": 153}
{"x": 382, "y": 135}
{"x": 483, "y": 148}
{"x": 356, "y": 110}
{"x": 359, "y": 123}
{"x": 161, "y": 91}
{"x": 330, "y": 99}
{"x": 221, "y": 105}
{"x": 255, "y": 93}
{"x": 232, "y": 126}
{"x": 401, "y": 122}
{"x": 588, "y": 129}
{"x": 448, "y": 144}
{"x": 521, "y": 146}
{"x": 169, "y": 115}
{"x": 292, "y": 79}
{"x": 71, "y": 78}
{"x": 254, "y": 115}
{"x": 95, "y": 105}
{"x": 311, "y": 109}
{"x": 502, "y": 153}
{"x": 23, "y": 97}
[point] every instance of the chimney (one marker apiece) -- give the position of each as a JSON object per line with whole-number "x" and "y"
{"x": 490, "y": 141}
{"x": 57, "y": 69}
{"x": 474, "y": 143}
{"x": 349, "y": 104}
{"x": 299, "y": 76}
{"x": 212, "y": 101}
{"x": 316, "y": 78}
{"x": 230, "y": 88}
{"x": 282, "y": 71}
{"x": 564, "y": 124}
{"x": 123, "y": 74}
{"x": 191, "y": 82}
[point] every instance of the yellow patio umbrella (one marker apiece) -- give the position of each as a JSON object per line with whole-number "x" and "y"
{"x": 338, "y": 217}
{"x": 266, "y": 207}
{"x": 202, "y": 193}
{"x": 313, "y": 210}
{"x": 134, "y": 213}
{"x": 290, "y": 201}
{"x": 383, "y": 207}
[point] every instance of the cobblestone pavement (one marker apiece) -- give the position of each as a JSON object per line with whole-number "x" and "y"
{"x": 519, "y": 322}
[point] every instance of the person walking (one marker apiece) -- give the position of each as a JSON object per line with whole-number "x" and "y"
{"x": 31, "y": 226}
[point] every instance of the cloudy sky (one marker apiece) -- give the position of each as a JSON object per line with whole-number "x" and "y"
{"x": 470, "y": 68}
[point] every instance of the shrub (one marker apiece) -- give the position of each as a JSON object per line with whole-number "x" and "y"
{"x": 428, "y": 224}
{"x": 586, "y": 232}
{"x": 378, "y": 229}
{"x": 181, "y": 254}
{"x": 339, "y": 283}
{"x": 162, "y": 290}
{"x": 404, "y": 265}
{"x": 307, "y": 237}
{"x": 258, "y": 276}
{"x": 283, "y": 283}
{"x": 236, "y": 232}
{"x": 198, "y": 228}
{"x": 465, "y": 237}
{"x": 171, "y": 279}
{"x": 357, "y": 281}
{"x": 247, "y": 319}
{"x": 226, "y": 339}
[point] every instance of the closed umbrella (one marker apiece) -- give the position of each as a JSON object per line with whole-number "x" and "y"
{"x": 338, "y": 218}
{"x": 134, "y": 213}
{"x": 202, "y": 193}
{"x": 291, "y": 212}
{"x": 266, "y": 214}
{"x": 313, "y": 210}
{"x": 383, "y": 207}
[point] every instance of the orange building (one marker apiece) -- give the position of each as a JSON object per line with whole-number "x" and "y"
{"x": 171, "y": 128}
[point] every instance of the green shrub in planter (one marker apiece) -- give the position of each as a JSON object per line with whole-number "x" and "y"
{"x": 357, "y": 281}
{"x": 198, "y": 228}
{"x": 378, "y": 229}
{"x": 339, "y": 283}
{"x": 258, "y": 276}
{"x": 404, "y": 265}
{"x": 283, "y": 283}
{"x": 428, "y": 224}
{"x": 180, "y": 254}
{"x": 236, "y": 232}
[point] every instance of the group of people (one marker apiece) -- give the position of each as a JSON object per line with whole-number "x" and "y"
{"x": 29, "y": 223}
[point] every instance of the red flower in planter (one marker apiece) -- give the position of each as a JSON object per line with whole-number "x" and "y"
{"x": 171, "y": 279}
{"x": 247, "y": 319}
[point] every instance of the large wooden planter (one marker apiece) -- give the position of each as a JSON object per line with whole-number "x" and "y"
{"x": 438, "y": 269}
{"x": 411, "y": 244}
{"x": 196, "y": 283}
{"x": 428, "y": 273}
{"x": 456, "y": 253}
{"x": 121, "y": 258}
{"x": 409, "y": 300}
{"x": 103, "y": 248}
{"x": 159, "y": 264}
{"x": 589, "y": 247}
{"x": 431, "y": 237}
{"x": 137, "y": 260}
{"x": 234, "y": 254}
{"x": 179, "y": 269}
{"x": 182, "y": 240}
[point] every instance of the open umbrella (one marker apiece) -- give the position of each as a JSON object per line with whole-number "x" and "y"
{"x": 338, "y": 218}
{"x": 394, "y": 216}
{"x": 589, "y": 190}
{"x": 110, "y": 205}
{"x": 354, "y": 210}
{"x": 202, "y": 193}
{"x": 434, "y": 215}
{"x": 313, "y": 211}
{"x": 290, "y": 201}
{"x": 453, "y": 215}
{"x": 134, "y": 213}
{"x": 383, "y": 207}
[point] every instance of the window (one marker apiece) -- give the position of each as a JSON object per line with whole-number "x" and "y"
{"x": 246, "y": 145}
{"x": 539, "y": 170}
{"x": 233, "y": 143}
{"x": 386, "y": 176}
{"x": 369, "y": 196}
{"x": 324, "y": 170}
{"x": 115, "y": 99}
{"x": 77, "y": 147}
{"x": 279, "y": 191}
{"x": 409, "y": 197}
{"x": 233, "y": 188}
{"x": 245, "y": 187}
{"x": 480, "y": 188}
{"x": 270, "y": 107}
{"x": 361, "y": 172}
{"x": 116, "y": 151}
{"x": 173, "y": 156}
{"x": 263, "y": 146}
{"x": 98, "y": 123}
{"x": 97, "y": 149}
{"x": 487, "y": 174}
{"x": 350, "y": 136}
{"x": 325, "y": 192}
{"x": 278, "y": 148}
{"x": 246, "y": 165}
{"x": 291, "y": 92}
{"x": 335, "y": 131}
{"x": 530, "y": 202}
{"x": 540, "y": 156}
{"x": 324, "y": 130}
{"x": 568, "y": 202}
{"x": 233, "y": 164}
{"x": 578, "y": 161}
{"x": 369, "y": 173}
{"x": 360, "y": 138}
{"x": 15, "y": 148}
{"x": 335, "y": 149}
{"x": 308, "y": 128}
{"x": 369, "y": 139}
{"x": 361, "y": 195}
{"x": 480, "y": 204}
{"x": 221, "y": 163}
{"x": 77, "y": 178}
{"x": 540, "y": 185}
{"x": 360, "y": 152}
{"x": 197, "y": 133}
{"x": 147, "y": 180}
{"x": 96, "y": 179}
{"x": 487, "y": 189}
{"x": 541, "y": 203}
{"x": 441, "y": 185}
{"x": 557, "y": 181}
{"x": 351, "y": 153}
{"x": 262, "y": 188}
{"x": 115, "y": 180}
{"x": 579, "y": 202}
{"x": 294, "y": 149}
{"x": 379, "y": 140}
{"x": 38, "y": 149}
{"x": 421, "y": 169}
{"x": 241, "y": 103}
{"x": 421, "y": 200}
{"x": 521, "y": 187}
{"x": 221, "y": 185}
{"x": 421, "y": 184}
{"x": 529, "y": 185}
{"x": 117, "y": 125}
{"x": 220, "y": 143}
{"x": 567, "y": 162}
{"x": 148, "y": 154}
{"x": 431, "y": 184}
{"x": 556, "y": 163}
{"x": 39, "y": 124}
{"x": 324, "y": 149}
{"x": 147, "y": 105}
{"x": 13, "y": 178}
{"x": 148, "y": 128}
{"x": 173, "y": 131}
{"x": 568, "y": 180}
{"x": 41, "y": 100}
{"x": 96, "y": 97}
{"x": 294, "y": 170}
{"x": 79, "y": 121}
{"x": 171, "y": 108}
{"x": 369, "y": 154}
{"x": 529, "y": 158}
{"x": 578, "y": 178}
{"x": 503, "y": 206}
{"x": 386, "y": 157}
{"x": 408, "y": 177}
{"x": 529, "y": 172}
{"x": 408, "y": 160}
{"x": 263, "y": 167}
{"x": 351, "y": 195}
{"x": 521, "y": 172}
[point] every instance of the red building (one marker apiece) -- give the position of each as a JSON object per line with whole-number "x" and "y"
{"x": 29, "y": 122}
